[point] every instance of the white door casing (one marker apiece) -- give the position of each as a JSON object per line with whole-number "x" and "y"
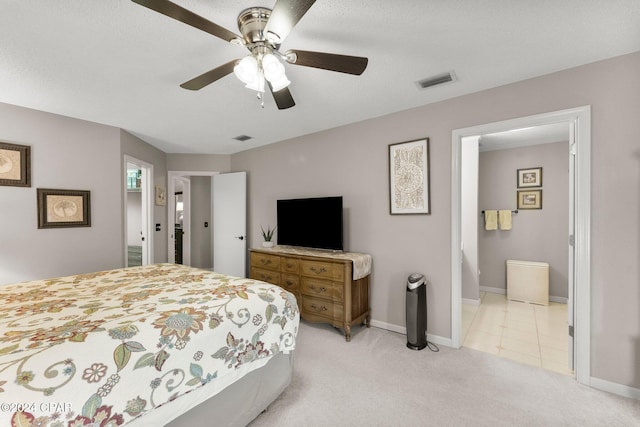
{"x": 581, "y": 119}
{"x": 571, "y": 238}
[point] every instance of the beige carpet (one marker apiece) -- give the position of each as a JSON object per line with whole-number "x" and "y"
{"x": 376, "y": 381}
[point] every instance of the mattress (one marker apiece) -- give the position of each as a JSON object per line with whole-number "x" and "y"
{"x": 110, "y": 347}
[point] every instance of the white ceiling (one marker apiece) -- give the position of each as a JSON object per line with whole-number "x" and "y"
{"x": 118, "y": 63}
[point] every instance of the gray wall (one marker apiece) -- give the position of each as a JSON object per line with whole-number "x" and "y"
{"x": 201, "y": 212}
{"x": 536, "y": 235}
{"x": 352, "y": 161}
{"x": 199, "y": 162}
{"x": 65, "y": 154}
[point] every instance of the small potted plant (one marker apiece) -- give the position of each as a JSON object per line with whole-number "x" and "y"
{"x": 267, "y": 235}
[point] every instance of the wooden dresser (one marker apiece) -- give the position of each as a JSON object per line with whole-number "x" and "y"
{"x": 323, "y": 285}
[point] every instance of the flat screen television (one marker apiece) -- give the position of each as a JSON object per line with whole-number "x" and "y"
{"x": 311, "y": 222}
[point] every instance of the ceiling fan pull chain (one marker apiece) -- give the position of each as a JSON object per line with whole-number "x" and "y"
{"x": 260, "y": 96}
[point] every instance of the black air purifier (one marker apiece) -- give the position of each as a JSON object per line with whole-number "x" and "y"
{"x": 416, "y": 312}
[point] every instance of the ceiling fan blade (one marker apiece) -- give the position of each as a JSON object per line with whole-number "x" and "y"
{"x": 282, "y": 97}
{"x": 284, "y": 16}
{"x": 209, "y": 77}
{"x": 328, "y": 61}
{"x": 181, "y": 14}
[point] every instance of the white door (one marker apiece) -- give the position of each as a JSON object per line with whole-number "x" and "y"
{"x": 229, "y": 207}
{"x": 571, "y": 275}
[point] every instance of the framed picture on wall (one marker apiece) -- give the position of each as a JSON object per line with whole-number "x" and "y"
{"x": 161, "y": 195}
{"x": 529, "y": 199}
{"x": 15, "y": 165}
{"x": 409, "y": 177}
{"x": 63, "y": 208}
{"x": 531, "y": 177}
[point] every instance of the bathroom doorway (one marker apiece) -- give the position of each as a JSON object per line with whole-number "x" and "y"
{"x": 577, "y": 122}
{"x": 529, "y": 327}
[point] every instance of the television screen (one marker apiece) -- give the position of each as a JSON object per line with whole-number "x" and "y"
{"x": 311, "y": 222}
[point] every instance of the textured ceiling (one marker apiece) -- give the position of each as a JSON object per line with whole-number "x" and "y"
{"x": 118, "y": 63}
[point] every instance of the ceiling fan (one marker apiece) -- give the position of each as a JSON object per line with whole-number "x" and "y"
{"x": 263, "y": 31}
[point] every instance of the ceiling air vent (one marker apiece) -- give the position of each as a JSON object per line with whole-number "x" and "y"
{"x": 436, "y": 80}
{"x": 243, "y": 138}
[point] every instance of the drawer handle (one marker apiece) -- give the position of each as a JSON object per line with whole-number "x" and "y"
{"x": 321, "y": 290}
{"x": 265, "y": 261}
{"x": 316, "y": 308}
{"x": 290, "y": 265}
{"x": 290, "y": 283}
{"x": 318, "y": 270}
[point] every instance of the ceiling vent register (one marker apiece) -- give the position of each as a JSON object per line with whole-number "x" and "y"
{"x": 436, "y": 80}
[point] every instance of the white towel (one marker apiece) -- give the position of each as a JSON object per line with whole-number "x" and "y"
{"x": 490, "y": 220}
{"x": 504, "y": 217}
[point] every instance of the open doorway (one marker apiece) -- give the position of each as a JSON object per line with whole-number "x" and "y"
{"x": 578, "y": 122}
{"x": 138, "y": 205}
{"x": 527, "y": 324}
{"x": 213, "y": 221}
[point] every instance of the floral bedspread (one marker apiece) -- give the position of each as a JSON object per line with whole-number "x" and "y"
{"x": 101, "y": 349}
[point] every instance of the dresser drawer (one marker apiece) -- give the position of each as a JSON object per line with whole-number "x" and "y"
{"x": 272, "y": 262}
{"x": 265, "y": 275}
{"x": 325, "y": 270}
{"x": 290, "y": 282}
{"x": 290, "y": 265}
{"x": 321, "y": 307}
{"x": 322, "y": 288}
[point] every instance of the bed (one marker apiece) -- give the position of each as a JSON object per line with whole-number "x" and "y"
{"x": 152, "y": 345}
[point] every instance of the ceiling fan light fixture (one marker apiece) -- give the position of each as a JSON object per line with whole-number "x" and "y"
{"x": 246, "y": 69}
{"x": 274, "y": 72}
{"x": 257, "y": 83}
{"x": 273, "y": 69}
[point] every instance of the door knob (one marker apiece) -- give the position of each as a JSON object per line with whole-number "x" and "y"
{"x": 240, "y": 237}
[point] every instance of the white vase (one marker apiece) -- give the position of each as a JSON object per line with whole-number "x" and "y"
{"x": 267, "y": 244}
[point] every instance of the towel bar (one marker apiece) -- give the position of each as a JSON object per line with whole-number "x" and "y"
{"x": 513, "y": 212}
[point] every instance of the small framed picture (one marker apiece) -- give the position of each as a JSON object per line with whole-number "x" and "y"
{"x": 531, "y": 177}
{"x": 63, "y": 208}
{"x": 161, "y": 195}
{"x": 409, "y": 177}
{"x": 529, "y": 199}
{"x": 15, "y": 165}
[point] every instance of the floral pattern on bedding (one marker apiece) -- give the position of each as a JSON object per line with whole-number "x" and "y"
{"x": 101, "y": 349}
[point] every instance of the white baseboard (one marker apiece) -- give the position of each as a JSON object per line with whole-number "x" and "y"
{"x": 438, "y": 340}
{"x": 389, "y": 326}
{"x": 468, "y": 301}
{"x": 503, "y": 291}
{"x": 615, "y": 388}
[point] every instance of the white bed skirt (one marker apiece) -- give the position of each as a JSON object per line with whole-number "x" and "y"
{"x": 232, "y": 402}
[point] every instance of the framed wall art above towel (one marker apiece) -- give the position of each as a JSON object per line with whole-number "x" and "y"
{"x": 15, "y": 165}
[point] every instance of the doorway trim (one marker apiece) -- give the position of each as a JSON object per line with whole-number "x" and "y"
{"x": 147, "y": 208}
{"x": 580, "y": 117}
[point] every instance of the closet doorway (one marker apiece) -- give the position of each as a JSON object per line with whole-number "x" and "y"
{"x": 576, "y": 124}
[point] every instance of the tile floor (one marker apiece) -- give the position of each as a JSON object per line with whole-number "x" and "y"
{"x": 527, "y": 333}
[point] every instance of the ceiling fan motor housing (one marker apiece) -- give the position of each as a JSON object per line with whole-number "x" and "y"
{"x": 251, "y": 23}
